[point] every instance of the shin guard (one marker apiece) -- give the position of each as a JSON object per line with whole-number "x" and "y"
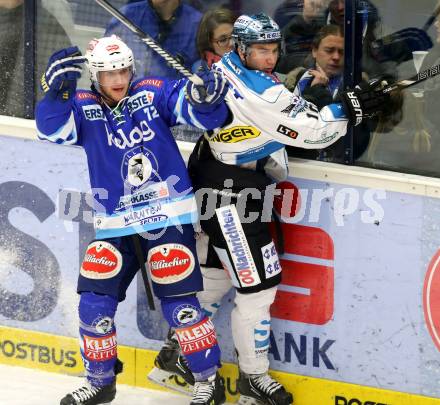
{"x": 250, "y": 324}
{"x": 195, "y": 333}
{"x": 98, "y": 337}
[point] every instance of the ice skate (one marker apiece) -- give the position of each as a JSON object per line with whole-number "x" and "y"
{"x": 261, "y": 389}
{"x": 210, "y": 392}
{"x": 171, "y": 365}
{"x": 90, "y": 395}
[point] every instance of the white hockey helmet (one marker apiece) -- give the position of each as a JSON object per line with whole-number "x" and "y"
{"x": 108, "y": 53}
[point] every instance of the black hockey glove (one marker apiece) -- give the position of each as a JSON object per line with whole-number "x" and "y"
{"x": 400, "y": 45}
{"x": 62, "y": 73}
{"x": 207, "y": 96}
{"x": 365, "y": 100}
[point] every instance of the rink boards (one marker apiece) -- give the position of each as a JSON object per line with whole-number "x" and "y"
{"x": 356, "y": 319}
{"x": 61, "y": 355}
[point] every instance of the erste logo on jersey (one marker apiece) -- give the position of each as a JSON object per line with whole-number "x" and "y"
{"x": 102, "y": 261}
{"x": 170, "y": 263}
{"x": 236, "y": 134}
{"x": 94, "y": 112}
{"x": 140, "y": 100}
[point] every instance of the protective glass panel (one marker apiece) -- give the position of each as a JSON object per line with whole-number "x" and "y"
{"x": 403, "y": 44}
{"x": 11, "y": 60}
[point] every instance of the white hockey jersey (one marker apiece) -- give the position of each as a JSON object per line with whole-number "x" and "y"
{"x": 267, "y": 116}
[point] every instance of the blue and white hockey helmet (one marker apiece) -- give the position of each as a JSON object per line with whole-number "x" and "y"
{"x": 256, "y": 28}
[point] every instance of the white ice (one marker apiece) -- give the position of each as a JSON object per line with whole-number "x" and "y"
{"x": 24, "y": 386}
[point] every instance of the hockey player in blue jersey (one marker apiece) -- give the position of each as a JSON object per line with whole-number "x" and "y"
{"x": 144, "y": 203}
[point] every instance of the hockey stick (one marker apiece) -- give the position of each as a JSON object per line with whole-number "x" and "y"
{"x": 145, "y": 38}
{"x": 418, "y": 78}
{"x": 431, "y": 19}
{"x": 141, "y": 260}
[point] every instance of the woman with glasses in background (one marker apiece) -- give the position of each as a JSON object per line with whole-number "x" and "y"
{"x": 214, "y": 36}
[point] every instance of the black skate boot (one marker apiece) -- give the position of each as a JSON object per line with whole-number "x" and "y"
{"x": 90, "y": 395}
{"x": 261, "y": 389}
{"x": 170, "y": 359}
{"x": 210, "y": 392}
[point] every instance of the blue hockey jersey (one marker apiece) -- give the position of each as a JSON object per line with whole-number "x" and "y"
{"x": 138, "y": 177}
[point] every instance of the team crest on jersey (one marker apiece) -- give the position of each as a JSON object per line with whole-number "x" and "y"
{"x": 138, "y": 166}
{"x": 236, "y": 134}
{"x": 93, "y": 112}
{"x": 186, "y": 314}
{"x": 296, "y": 106}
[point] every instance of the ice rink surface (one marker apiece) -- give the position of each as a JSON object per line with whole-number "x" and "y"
{"x": 23, "y": 386}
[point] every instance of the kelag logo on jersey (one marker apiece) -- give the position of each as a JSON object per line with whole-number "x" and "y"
{"x": 236, "y": 134}
{"x": 143, "y": 133}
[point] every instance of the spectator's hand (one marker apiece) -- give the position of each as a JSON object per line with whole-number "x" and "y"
{"x": 63, "y": 71}
{"x": 365, "y": 100}
{"x": 212, "y": 93}
{"x": 400, "y": 45}
{"x": 319, "y": 76}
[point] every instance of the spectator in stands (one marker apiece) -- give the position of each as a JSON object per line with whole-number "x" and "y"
{"x": 379, "y": 55}
{"x": 320, "y": 84}
{"x": 286, "y": 11}
{"x": 49, "y": 37}
{"x": 172, "y": 23}
{"x": 214, "y": 36}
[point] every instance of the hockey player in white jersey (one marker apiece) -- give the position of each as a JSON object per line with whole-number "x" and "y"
{"x": 248, "y": 153}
